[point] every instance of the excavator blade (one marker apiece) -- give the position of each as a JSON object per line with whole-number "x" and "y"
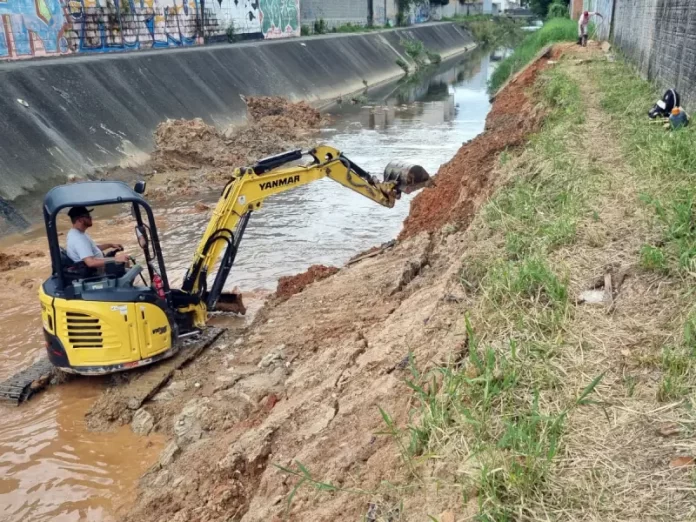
{"x": 230, "y": 302}
{"x": 408, "y": 176}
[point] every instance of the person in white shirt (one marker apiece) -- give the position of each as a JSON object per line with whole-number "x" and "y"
{"x": 81, "y": 247}
{"x": 583, "y": 23}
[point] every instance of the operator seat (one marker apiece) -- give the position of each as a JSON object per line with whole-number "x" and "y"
{"x": 73, "y": 271}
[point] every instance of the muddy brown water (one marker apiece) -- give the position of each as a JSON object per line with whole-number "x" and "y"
{"x": 51, "y": 467}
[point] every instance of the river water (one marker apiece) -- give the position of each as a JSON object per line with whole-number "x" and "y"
{"x": 51, "y": 467}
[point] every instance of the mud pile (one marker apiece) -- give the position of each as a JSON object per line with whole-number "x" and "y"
{"x": 275, "y": 125}
{"x": 10, "y": 262}
{"x": 291, "y": 285}
{"x": 463, "y": 183}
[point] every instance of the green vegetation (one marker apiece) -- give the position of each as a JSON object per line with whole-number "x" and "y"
{"x": 421, "y": 56}
{"x": 492, "y": 31}
{"x": 556, "y": 30}
{"x": 542, "y": 8}
{"x": 668, "y": 163}
{"x": 558, "y": 9}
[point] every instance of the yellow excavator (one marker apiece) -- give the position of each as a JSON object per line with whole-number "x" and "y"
{"x": 99, "y": 323}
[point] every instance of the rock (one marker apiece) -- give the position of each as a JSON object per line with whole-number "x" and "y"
{"x": 591, "y": 297}
{"x": 270, "y": 358}
{"x": 681, "y": 462}
{"x": 169, "y": 454}
{"x": 323, "y": 417}
{"x": 143, "y": 422}
{"x": 447, "y": 516}
{"x": 187, "y": 427}
{"x": 162, "y": 479}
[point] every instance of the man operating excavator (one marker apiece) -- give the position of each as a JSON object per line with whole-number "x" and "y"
{"x": 82, "y": 248}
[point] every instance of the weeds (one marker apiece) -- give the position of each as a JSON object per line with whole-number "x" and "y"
{"x": 492, "y": 401}
{"x": 676, "y": 219}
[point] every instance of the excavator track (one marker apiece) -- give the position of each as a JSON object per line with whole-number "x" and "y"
{"x": 21, "y": 386}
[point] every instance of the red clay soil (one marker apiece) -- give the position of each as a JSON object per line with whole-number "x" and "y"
{"x": 291, "y": 285}
{"x": 465, "y": 181}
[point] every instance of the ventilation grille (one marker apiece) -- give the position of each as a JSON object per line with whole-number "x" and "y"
{"x": 84, "y": 331}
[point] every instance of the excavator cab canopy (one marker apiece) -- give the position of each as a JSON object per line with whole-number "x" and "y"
{"x": 96, "y": 194}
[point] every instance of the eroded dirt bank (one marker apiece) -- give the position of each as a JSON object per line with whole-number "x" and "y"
{"x": 305, "y": 383}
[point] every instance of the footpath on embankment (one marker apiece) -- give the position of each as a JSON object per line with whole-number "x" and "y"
{"x": 79, "y": 114}
{"x": 522, "y": 352}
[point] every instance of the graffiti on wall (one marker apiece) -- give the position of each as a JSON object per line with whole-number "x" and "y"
{"x": 32, "y": 28}
{"x": 240, "y": 16}
{"x": 104, "y": 26}
{"x": 280, "y": 18}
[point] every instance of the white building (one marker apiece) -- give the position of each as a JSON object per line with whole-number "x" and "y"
{"x": 504, "y": 5}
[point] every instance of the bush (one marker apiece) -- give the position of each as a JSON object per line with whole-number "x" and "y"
{"x": 320, "y": 27}
{"x": 558, "y": 10}
{"x": 556, "y": 30}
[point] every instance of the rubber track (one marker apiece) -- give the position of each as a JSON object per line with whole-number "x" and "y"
{"x": 21, "y": 386}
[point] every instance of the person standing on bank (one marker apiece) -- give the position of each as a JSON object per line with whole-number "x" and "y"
{"x": 583, "y": 23}
{"x": 81, "y": 247}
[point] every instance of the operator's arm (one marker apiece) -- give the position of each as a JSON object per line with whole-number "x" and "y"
{"x": 109, "y": 245}
{"x": 98, "y": 262}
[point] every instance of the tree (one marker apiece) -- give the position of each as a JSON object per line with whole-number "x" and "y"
{"x": 541, "y": 7}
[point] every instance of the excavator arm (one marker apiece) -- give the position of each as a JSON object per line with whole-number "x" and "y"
{"x": 246, "y": 192}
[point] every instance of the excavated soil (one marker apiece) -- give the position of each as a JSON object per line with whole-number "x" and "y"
{"x": 191, "y": 156}
{"x": 462, "y": 183}
{"x": 303, "y": 386}
{"x": 10, "y": 262}
{"x": 291, "y": 285}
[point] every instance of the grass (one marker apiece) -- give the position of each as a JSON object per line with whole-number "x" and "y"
{"x": 555, "y": 30}
{"x": 551, "y": 410}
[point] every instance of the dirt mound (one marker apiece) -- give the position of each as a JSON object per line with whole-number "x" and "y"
{"x": 291, "y": 285}
{"x": 301, "y": 113}
{"x": 10, "y": 262}
{"x": 464, "y": 182}
{"x": 275, "y": 125}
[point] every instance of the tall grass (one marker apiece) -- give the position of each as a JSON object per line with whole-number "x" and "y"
{"x": 556, "y": 30}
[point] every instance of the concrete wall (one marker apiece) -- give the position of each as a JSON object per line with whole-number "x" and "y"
{"x": 88, "y": 112}
{"x": 336, "y": 12}
{"x": 659, "y": 36}
{"x": 456, "y": 8}
{"x": 37, "y": 28}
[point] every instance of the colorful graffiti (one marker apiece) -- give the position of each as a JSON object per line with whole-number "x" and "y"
{"x": 97, "y": 26}
{"x": 241, "y": 17}
{"x": 280, "y": 18}
{"x": 32, "y": 28}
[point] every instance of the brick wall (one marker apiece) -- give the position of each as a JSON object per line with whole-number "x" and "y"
{"x": 659, "y": 36}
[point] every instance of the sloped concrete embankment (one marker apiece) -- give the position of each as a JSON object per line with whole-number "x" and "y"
{"x": 76, "y": 115}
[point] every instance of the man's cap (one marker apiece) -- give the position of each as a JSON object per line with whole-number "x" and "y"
{"x": 76, "y": 212}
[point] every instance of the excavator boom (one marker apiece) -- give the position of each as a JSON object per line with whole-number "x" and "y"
{"x": 246, "y": 192}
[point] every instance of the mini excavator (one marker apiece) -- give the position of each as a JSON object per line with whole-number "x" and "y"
{"x": 100, "y": 323}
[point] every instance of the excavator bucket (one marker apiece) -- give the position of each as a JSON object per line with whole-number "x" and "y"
{"x": 408, "y": 176}
{"x": 230, "y": 302}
